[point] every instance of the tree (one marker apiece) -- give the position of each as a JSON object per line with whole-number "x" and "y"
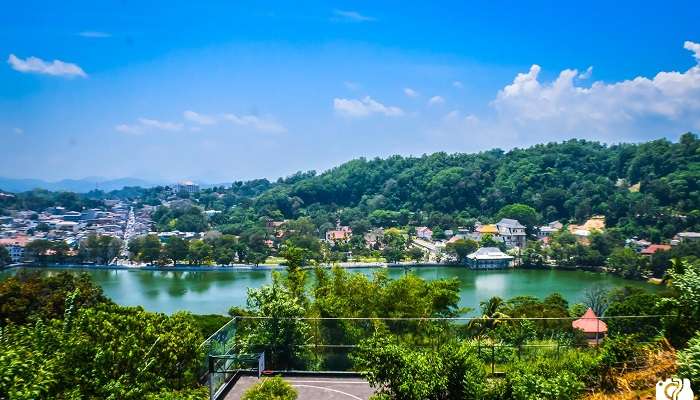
{"x": 492, "y": 315}
{"x": 684, "y": 307}
{"x": 28, "y": 295}
{"x": 38, "y": 250}
{"x": 176, "y": 249}
{"x": 398, "y": 371}
{"x": 534, "y": 255}
{"x": 459, "y": 249}
{"x": 199, "y": 252}
{"x": 281, "y": 333}
{"x": 489, "y": 241}
{"x": 597, "y": 299}
{"x": 150, "y": 250}
{"x": 633, "y": 301}
{"x": 296, "y": 277}
{"x": 689, "y": 360}
{"x": 394, "y": 245}
{"x": 5, "y": 258}
{"x": 627, "y": 262}
{"x": 100, "y": 249}
{"x": 522, "y": 212}
{"x": 416, "y": 254}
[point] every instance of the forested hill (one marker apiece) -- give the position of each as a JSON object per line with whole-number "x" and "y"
{"x": 652, "y": 184}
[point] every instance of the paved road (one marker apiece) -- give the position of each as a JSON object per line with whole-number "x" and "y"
{"x": 314, "y": 388}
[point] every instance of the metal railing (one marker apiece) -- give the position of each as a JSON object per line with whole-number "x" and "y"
{"x": 329, "y": 342}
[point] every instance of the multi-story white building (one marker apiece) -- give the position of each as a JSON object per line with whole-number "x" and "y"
{"x": 15, "y": 246}
{"x": 512, "y": 232}
{"x": 187, "y": 186}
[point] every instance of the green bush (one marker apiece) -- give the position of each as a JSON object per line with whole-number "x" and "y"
{"x": 271, "y": 389}
{"x": 401, "y": 372}
{"x": 689, "y": 360}
{"x": 548, "y": 378}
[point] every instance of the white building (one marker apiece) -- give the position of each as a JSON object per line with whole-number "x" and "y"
{"x": 489, "y": 258}
{"x": 187, "y": 186}
{"x": 512, "y": 232}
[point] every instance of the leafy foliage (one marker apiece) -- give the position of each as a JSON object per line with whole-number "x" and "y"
{"x": 271, "y": 389}
{"x": 689, "y": 360}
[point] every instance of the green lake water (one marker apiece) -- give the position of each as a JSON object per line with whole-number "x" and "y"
{"x": 213, "y": 292}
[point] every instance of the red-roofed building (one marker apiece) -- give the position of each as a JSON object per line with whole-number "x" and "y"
{"x": 341, "y": 234}
{"x": 591, "y": 325}
{"x": 652, "y": 249}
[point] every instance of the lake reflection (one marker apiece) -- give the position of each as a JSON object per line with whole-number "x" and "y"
{"x": 214, "y": 292}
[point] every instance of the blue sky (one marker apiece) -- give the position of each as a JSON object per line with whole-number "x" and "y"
{"x": 236, "y": 90}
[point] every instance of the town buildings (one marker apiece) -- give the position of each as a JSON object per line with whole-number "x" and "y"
{"x": 71, "y": 227}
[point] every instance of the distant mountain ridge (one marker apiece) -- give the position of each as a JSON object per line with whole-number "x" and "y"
{"x": 73, "y": 185}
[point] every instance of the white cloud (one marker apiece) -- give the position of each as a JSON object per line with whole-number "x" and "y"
{"x": 95, "y": 34}
{"x": 694, "y": 47}
{"x": 350, "y": 16}
{"x": 197, "y": 118}
{"x": 586, "y": 74}
{"x": 255, "y": 122}
{"x": 458, "y": 84}
{"x": 145, "y": 124}
{"x": 529, "y": 110}
{"x": 39, "y": 66}
{"x": 161, "y": 125}
{"x": 436, "y": 100}
{"x": 410, "y": 92}
{"x": 669, "y": 100}
{"x": 364, "y": 107}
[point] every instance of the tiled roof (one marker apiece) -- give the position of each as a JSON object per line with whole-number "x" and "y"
{"x": 590, "y": 323}
{"x": 656, "y": 247}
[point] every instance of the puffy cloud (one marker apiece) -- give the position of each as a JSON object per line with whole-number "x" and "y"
{"x": 197, "y": 118}
{"x": 39, "y": 66}
{"x": 95, "y": 34}
{"x": 436, "y": 100}
{"x": 410, "y": 92}
{"x": 255, "y": 122}
{"x": 350, "y": 16}
{"x": 694, "y": 47}
{"x": 671, "y": 99}
{"x": 458, "y": 84}
{"x": 145, "y": 124}
{"x": 364, "y": 107}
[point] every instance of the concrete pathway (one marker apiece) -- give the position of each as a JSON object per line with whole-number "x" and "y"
{"x": 313, "y": 388}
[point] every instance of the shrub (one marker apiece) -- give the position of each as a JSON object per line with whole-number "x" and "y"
{"x": 689, "y": 361}
{"x": 547, "y": 378}
{"x": 400, "y": 372}
{"x": 271, "y": 389}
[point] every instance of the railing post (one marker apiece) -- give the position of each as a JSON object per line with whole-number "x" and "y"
{"x": 210, "y": 363}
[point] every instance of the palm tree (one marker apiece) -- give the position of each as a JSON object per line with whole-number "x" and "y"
{"x": 491, "y": 316}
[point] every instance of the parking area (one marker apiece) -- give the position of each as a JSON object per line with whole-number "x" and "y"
{"x": 313, "y": 388}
